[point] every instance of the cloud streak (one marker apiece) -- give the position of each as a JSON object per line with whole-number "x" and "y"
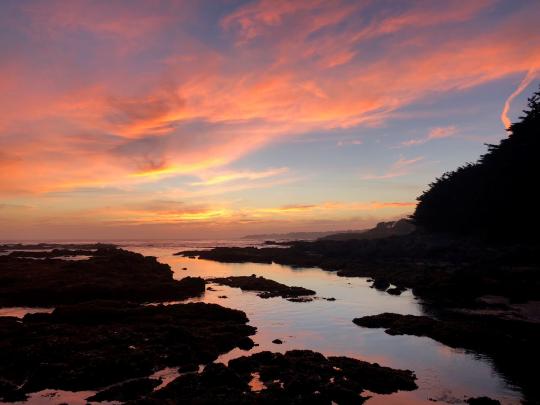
{"x": 399, "y": 168}
{"x": 529, "y": 77}
{"x": 434, "y": 133}
{"x": 235, "y": 176}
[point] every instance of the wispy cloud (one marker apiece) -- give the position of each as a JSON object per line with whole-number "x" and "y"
{"x": 434, "y": 133}
{"x": 529, "y": 77}
{"x": 399, "y": 168}
{"x": 349, "y": 142}
{"x": 227, "y": 177}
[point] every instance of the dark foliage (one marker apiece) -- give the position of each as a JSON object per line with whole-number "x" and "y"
{"x": 493, "y": 197}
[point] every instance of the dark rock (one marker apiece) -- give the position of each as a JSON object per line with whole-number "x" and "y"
{"x": 439, "y": 268}
{"x": 482, "y": 401}
{"x": 512, "y": 344}
{"x": 472, "y": 333}
{"x": 222, "y": 296}
{"x": 267, "y": 288}
{"x": 245, "y": 344}
{"x": 50, "y": 246}
{"x": 381, "y": 284}
{"x": 277, "y": 341}
{"x": 109, "y": 274}
{"x": 53, "y": 253}
{"x": 95, "y": 344}
{"x": 304, "y": 371}
{"x": 395, "y": 290}
{"x": 216, "y": 384}
{"x": 296, "y": 377}
{"x": 300, "y": 299}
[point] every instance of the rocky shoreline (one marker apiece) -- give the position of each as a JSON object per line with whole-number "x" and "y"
{"x": 441, "y": 268}
{"x": 104, "y": 337}
{"x": 110, "y": 273}
{"x": 94, "y": 344}
{"x": 295, "y": 377}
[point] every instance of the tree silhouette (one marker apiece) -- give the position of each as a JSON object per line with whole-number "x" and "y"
{"x": 496, "y": 197}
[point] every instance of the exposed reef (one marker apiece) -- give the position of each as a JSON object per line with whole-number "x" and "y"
{"x": 92, "y": 345}
{"x": 109, "y": 273}
{"x": 266, "y": 288}
{"x": 479, "y": 333}
{"x": 49, "y": 246}
{"x": 443, "y": 269}
{"x": 40, "y": 254}
{"x": 512, "y": 344}
{"x": 296, "y": 377}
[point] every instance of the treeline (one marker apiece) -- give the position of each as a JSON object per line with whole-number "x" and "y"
{"x": 496, "y": 197}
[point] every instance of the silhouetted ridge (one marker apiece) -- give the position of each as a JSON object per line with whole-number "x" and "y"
{"x": 493, "y": 197}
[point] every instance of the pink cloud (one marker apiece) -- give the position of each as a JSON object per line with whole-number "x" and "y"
{"x": 151, "y": 101}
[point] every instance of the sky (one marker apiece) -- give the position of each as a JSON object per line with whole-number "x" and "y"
{"x": 214, "y": 119}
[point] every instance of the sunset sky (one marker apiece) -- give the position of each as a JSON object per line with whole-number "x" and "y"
{"x": 196, "y": 119}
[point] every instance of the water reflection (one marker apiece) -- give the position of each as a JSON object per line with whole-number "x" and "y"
{"x": 445, "y": 374}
